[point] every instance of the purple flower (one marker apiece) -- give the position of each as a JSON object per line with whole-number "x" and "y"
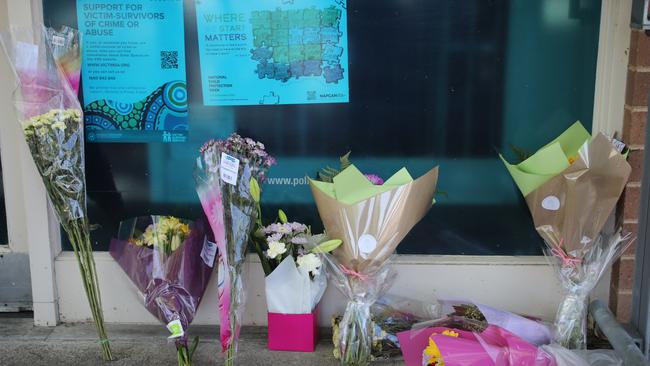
{"x": 299, "y": 240}
{"x": 298, "y": 227}
{"x": 374, "y": 179}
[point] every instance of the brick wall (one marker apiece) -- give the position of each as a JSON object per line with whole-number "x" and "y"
{"x": 634, "y": 125}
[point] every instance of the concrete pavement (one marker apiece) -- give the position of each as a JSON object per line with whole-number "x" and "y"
{"x": 76, "y": 344}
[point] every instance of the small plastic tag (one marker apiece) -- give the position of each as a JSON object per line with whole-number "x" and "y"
{"x": 58, "y": 41}
{"x": 209, "y": 252}
{"x": 229, "y": 168}
{"x": 175, "y": 328}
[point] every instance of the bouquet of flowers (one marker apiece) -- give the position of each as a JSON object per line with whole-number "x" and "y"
{"x": 458, "y": 342}
{"x": 228, "y": 175}
{"x": 295, "y": 282}
{"x": 52, "y": 124}
{"x": 388, "y": 316}
{"x": 531, "y": 330}
{"x": 371, "y": 219}
{"x": 571, "y": 187}
{"x": 170, "y": 261}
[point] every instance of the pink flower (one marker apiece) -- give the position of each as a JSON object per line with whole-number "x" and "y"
{"x": 374, "y": 179}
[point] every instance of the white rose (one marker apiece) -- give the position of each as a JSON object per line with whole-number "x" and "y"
{"x": 310, "y": 263}
{"x": 275, "y": 249}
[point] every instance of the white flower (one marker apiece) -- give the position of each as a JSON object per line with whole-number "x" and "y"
{"x": 276, "y": 248}
{"x": 310, "y": 263}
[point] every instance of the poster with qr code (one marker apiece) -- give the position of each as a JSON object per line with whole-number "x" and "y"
{"x": 273, "y": 51}
{"x": 133, "y": 71}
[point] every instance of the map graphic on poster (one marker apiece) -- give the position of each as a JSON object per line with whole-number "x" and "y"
{"x": 273, "y": 51}
{"x": 133, "y": 72}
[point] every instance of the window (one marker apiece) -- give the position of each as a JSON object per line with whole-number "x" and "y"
{"x": 431, "y": 82}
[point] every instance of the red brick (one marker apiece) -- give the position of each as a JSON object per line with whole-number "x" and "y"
{"x": 635, "y": 158}
{"x": 623, "y": 274}
{"x": 631, "y": 203}
{"x": 616, "y": 279}
{"x": 638, "y": 85}
{"x": 634, "y": 125}
{"x": 639, "y": 49}
{"x": 623, "y": 308}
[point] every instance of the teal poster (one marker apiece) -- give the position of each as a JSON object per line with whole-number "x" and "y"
{"x": 133, "y": 70}
{"x": 273, "y": 51}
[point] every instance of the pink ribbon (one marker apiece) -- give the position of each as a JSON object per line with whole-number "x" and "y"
{"x": 566, "y": 259}
{"x": 352, "y": 273}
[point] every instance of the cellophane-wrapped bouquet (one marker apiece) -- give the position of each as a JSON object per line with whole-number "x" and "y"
{"x": 532, "y": 330}
{"x": 371, "y": 218}
{"x": 571, "y": 187}
{"x": 51, "y": 119}
{"x": 228, "y": 176}
{"x": 457, "y": 341}
{"x": 388, "y": 316}
{"x": 170, "y": 261}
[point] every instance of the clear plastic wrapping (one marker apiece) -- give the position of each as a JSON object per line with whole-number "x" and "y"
{"x": 579, "y": 279}
{"x": 52, "y": 122}
{"x": 228, "y": 175}
{"x": 371, "y": 228}
{"x": 169, "y": 261}
{"x": 66, "y": 49}
{"x": 390, "y": 315}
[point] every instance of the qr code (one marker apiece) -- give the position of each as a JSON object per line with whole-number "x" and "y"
{"x": 169, "y": 59}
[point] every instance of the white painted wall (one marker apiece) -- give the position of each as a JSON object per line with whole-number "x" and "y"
{"x": 521, "y": 284}
{"x": 32, "y": 226}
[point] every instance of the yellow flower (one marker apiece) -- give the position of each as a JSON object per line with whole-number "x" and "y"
{"x": 148, "y": 236}
{"x": 450, "y": 333}
{"x": 176, "y": 242}
{"x": 59, "y": 125}
{"x": 572, "y": 159}
{"x": 434, "y": 355}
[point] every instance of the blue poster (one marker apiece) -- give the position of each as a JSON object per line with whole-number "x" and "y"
{"x": 133, "y": 70}
{"x": 273, "y": 51}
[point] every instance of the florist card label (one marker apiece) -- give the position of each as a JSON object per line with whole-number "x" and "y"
{"x": 133, "y": 70}
{"x": 273, "y": 51}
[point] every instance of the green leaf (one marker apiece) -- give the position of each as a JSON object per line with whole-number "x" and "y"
{"x": 520, "y": 153}
{"x": 345, "y": 160}
{"x": 327, "y": 246}
{"x": 255, "y": 189}
{"x": 282, "y": 216}
{"x": 193, "y": 347}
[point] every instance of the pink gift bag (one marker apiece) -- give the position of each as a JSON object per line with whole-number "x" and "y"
{"x": 293, "y": 332}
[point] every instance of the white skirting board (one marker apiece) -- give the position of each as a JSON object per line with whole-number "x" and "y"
{"x": 526, "y": 285}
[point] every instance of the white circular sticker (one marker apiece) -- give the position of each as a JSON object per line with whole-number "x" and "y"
{"x": 367, "y": 244}
{"x": 551, "y": 203}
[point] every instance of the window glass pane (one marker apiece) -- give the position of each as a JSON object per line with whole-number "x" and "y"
{"x": 431, "y": 82}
